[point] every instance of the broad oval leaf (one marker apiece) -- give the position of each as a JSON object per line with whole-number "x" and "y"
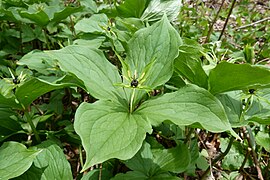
{"x": 95, "y": 174}
{"x": 8, "y": 102}
{"x": 91, "y": 66}
{"x": 89, "y": 6}
{"x": 232, "y": 104}
{"x": 39, "y": 17}
{"x": 55, "y": 168}
{"x": 15, "y": 159}
{"x": 97, "y": 23}
{"x": 131, "y": 8}
{"x": 157, "y": 8}
{"x": 189, "y": 65}
{"x": 33, "y": 173}
{"x": 51, "y": 163}
{"x": 26, "y": 92}
{"x": 64, "y": 13}
{"x": 39, "y": 61}
{"x": 187, "y": 106}
{"x": 131, "y": 175}
{"x": 151, "y": 162}
{"x": 135, "y": 175}
{"x": 153, "y": 50}
{"x": 263, "y": 139}
{"x": 259, "y": 110}
{"x": 143, "y": 161}
{"x": 7, "y": 98}
{"x": 8, "y": 125}
{"x": 235, "y": 157}
{"x": 108, "y": 131}
{"x": 228, "y": 77}
{"x": 35, "y": 87}
{"x": 174, "y": 159}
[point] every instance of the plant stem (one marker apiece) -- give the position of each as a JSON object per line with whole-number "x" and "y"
{"x": 72, "y": 27}
{"x": 213, "y": 22}
{"x": 227, "y": 19}
{"x": 81, "y": 156}
{"x": 191, "y": 130}
{"x": 221, "y": 156}
{"x": 100, "y": 172}
{"x": 253, "y": 153}
{"x": 245, "y": 160}
{"x": 29, "y": 120}
{"x": 131, "y": 100}
{"x": 46, "y": 39}
{"x": 267, "y": 169}
{"x": 21, "y": 45}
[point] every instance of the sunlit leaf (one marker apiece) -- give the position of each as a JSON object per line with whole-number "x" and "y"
{"x": 108, "y": 131}
{"x": 187, "y": 106}
{"x": 15, "y": 159}
{"x": 157, "y": 8}
{"x": 228, "y": 77}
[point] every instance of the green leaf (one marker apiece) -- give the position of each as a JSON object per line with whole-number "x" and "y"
{"x": 131, "y": 8}
{"x": 108, "y": 131}
{"x": 32, "y": 173}
{"x": 143, "y": 161}
{"x": 53, "y": 161}
{"x": 157, "y": 161}
{"x": 39, "y": 61}
{"x": 189, "y": 65}
{"x": 15, "y": 159}
{"x": 94, "y": 174}
{"x": 8, "y": 102}
{"x": 174, "y": 159}
{"x": 234, "y": 159}
{"x": 263, "y": 139}
{"x": 135, "y": 175}
{"x": 33, "y": 88}
{"x": 13, "y": 14}
{"x": 39, "y": 17}
{"x": 249, "y": 54}
{"x": 93, "y": 24}
{"x": 131, "y": 175}
{"x": 64, "y": 13}
{"x": 259, "y": 110}
{"x": 157, "y": 8}
{"x": 10, "y": 14}
{"x": 27, "y": 33}
{"x": 231, "y": 176}
{"x": 187, "y": 106}
{"x": 202, "y": 163}
{"x": 90, "y": 5}
{"x": 165, "y": 176}
{"x": 6, "y": 87}
{"x": 228, "y": 77}
{"x": 91, "y": 66}
{"x": 232, "y": 104}
{"x": 8, "y": 125}
{"x": 152, "y": 51}
{"x": 94, "y": 43}
{"x": 7, "y": 98}
{"x": 194, "y": 155}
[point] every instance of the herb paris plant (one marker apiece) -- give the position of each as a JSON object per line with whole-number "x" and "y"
{"x": 109, "y": 128}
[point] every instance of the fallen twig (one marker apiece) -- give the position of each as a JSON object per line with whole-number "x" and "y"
{"x": 252, "y": 24}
